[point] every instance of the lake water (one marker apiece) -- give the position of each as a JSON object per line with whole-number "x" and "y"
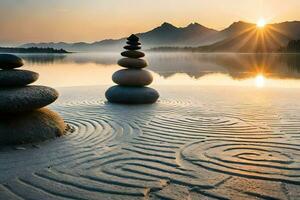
{"x": 251, "y": 70}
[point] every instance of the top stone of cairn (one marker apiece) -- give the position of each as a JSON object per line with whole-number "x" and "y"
{"x": 8, "y": 61}
{"x": 132, "y": 47}
{"x": 133, "y": 43}
{"x": 133, "y": 38}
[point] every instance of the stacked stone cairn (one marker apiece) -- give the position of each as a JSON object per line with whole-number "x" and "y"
{"x": 132, "y": 81}
{"x": 22, "y": 116}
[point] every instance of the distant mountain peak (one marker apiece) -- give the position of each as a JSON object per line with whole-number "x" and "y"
{"x": 240, "y": 23}
{"x": 194, "y": 24}
{"x": 237, "y": 27}
{"x": 167, "y": 25}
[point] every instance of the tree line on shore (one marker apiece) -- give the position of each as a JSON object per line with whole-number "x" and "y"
{"x": 31, "y": 50}
{"x": 293, "y": 46}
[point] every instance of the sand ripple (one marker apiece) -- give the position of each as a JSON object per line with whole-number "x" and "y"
{"x": 176, "y": 149}
{"x": 261, "y": 160}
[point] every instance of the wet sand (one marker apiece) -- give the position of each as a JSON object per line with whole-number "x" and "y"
{"x": 195, "y": 143}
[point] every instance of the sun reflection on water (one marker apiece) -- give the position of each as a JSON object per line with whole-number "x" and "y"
{"x": 260, "y": 81}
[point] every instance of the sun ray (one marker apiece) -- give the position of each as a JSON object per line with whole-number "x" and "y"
{"x": 272, "y": 38}
{"x": 279, "y": 31}
{"x": 245, "y": 41}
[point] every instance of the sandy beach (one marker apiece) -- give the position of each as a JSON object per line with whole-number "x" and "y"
{"x": 195, "y": 143}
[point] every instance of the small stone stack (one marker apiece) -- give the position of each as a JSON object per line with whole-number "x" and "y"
{"x": 132, "y": 80}
{"x": 22, "y": 116}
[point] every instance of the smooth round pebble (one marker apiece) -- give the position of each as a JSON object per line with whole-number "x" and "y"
{"x": 17, "y": 77}
{"x": 131, "y": 47}
{"x": 133, "y": 43}
{"x": 133, "y": 54}
{"x": 132, "y": 77}
{"x": 9, "y": 61}
{"x": 29, "y": 127}
{"x": 132, "y": 63}
{"x": 131, "y": 95}
{"x": 22, "y": 99}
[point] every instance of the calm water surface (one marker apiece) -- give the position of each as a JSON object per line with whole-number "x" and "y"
{"x": 254, "y": 70}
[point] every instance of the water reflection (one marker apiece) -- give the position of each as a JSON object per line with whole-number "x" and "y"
{"x": 40, "y": 59}
{"x": 260, "y": 81}
{"x": 171, "y": 68}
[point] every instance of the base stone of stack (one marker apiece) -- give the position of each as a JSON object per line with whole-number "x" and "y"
{"x": 30, "y": 127}
{"x": 132, "y": 77}
{"x": 131, "y": 95}
{"x": 17, "y": 77}
{"x": 22, "y": 99}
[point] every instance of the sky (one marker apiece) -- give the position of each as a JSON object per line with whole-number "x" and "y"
{"x": 23, "y": 21}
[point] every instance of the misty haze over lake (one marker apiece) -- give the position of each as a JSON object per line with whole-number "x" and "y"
{"x": 168, "y": 68}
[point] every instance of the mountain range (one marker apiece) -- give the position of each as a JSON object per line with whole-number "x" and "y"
{"x": 238, "y": 37}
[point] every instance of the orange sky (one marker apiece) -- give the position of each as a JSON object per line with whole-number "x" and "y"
{"x": 92, "y": 20}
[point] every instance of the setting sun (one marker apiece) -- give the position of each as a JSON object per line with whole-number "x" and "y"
{"x": 261, "y": 23}
{"x": 260, "y": 81}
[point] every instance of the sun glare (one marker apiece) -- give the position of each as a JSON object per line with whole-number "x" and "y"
{"x": 260, "y": 81}
{"x": 261, "y": 23}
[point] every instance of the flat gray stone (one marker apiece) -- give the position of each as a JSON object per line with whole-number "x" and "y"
{"x": 131, "y": 47}
{"x": 132, "y": 77}
{"x": 132, "y": 63}
{"x": 133, "y": 43}
{"x": 29, "y": 127}
{"x": 9, "y": 61}
{"x": 22, "y": 99}
{"x": 131, "y": 95}
{"x": 17, "y": 77}
{"x": 133, "y": 54}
